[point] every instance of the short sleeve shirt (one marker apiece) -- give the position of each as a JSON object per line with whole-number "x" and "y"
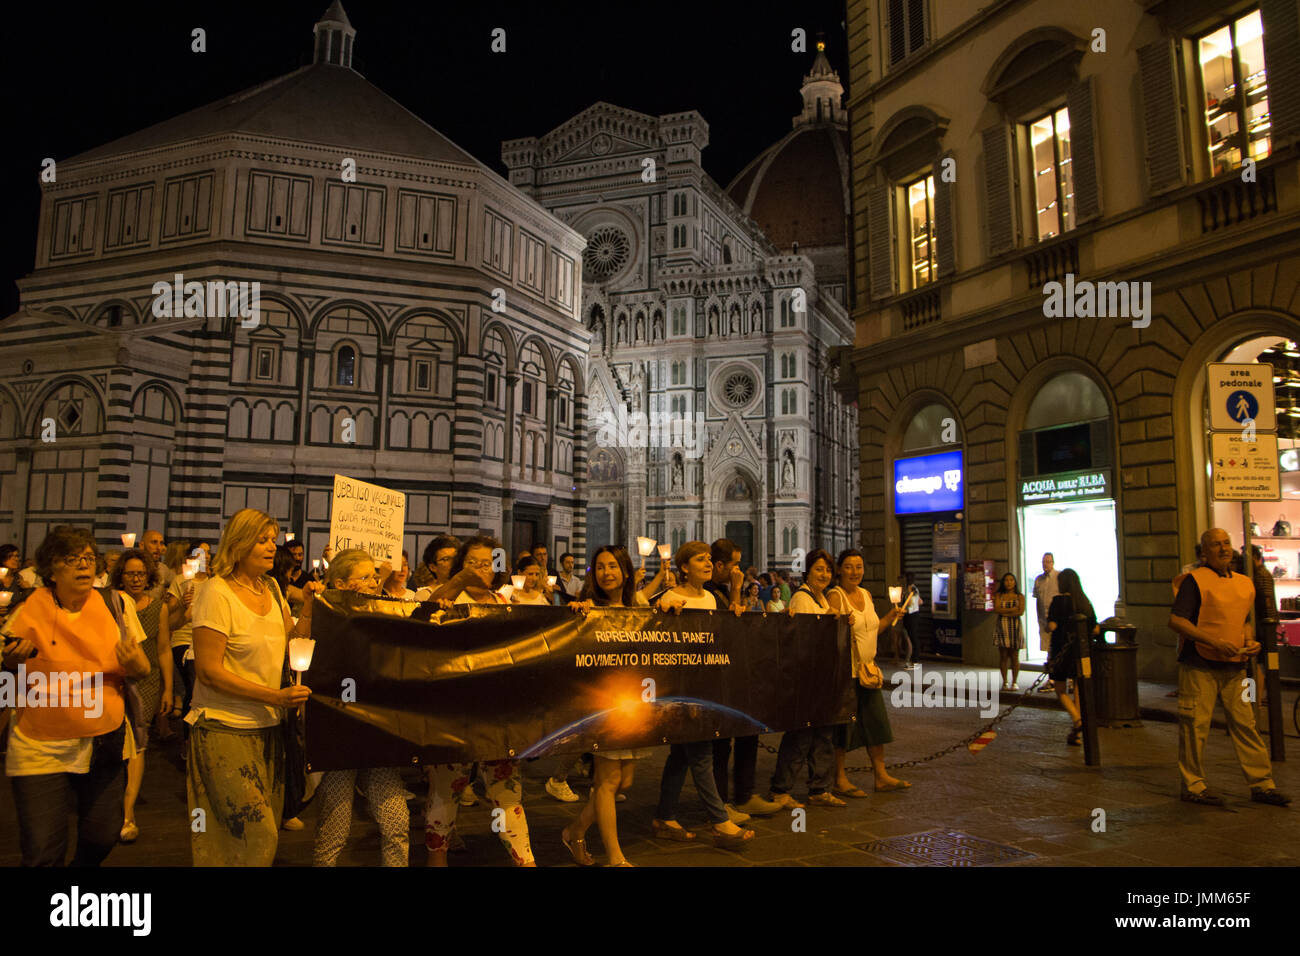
{"x": 255, "y": 650}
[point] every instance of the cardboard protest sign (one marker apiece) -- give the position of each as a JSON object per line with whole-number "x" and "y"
{"x": 369, "y": 517}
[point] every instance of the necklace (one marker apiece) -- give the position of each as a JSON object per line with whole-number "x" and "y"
{"x": 259, "y": 590}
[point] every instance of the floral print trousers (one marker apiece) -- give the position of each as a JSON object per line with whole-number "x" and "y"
{"x": 504, "y": 795}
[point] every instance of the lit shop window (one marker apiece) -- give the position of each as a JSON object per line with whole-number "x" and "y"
{"x": 1236, "y": 93}
{"x": 919, "y": 196}
{"x": 1049, "y": 155}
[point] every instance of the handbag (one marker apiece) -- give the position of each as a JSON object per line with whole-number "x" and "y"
{"x": 870, "y": 675}
{"x": 134, "y": 703}
{"x": 1282, "y": 529}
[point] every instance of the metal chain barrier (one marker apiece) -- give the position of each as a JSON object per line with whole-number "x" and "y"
{"x": 961, "y": 743}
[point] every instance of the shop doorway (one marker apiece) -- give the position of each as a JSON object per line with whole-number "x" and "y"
{"x": 1080, "y": 535}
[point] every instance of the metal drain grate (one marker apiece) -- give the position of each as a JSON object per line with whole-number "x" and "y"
{"x": 942, "y": 848}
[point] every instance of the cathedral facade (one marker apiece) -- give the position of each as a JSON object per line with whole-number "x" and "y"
{"x": 416, "y": 324}
{"x": 711, "y": 406}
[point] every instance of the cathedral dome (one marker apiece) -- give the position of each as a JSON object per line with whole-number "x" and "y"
{"x": 797, "y": 189}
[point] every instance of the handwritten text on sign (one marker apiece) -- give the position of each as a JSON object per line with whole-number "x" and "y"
{"x": 369, "y": 517}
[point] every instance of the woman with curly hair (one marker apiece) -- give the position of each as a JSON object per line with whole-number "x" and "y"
{"x": 136, "y": 575}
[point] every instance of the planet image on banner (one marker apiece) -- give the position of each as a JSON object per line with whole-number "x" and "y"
{"x": 634, "y": 723}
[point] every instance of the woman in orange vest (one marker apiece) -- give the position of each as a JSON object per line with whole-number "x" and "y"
{"x": 72, "y": 649}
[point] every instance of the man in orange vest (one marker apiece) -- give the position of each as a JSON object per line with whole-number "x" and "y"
{"x": 1209, "y": 615}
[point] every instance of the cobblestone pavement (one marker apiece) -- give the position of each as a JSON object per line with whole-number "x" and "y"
{"x": 1028, "y": 794}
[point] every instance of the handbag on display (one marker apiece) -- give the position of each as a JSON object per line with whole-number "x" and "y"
{"x": 1255, "y": 531}
{"x": 1282, "y": 529}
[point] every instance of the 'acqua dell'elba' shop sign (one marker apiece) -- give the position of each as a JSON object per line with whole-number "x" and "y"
{"x": 1075, "y": 486}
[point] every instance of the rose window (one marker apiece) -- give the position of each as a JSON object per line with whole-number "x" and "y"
{"x": 606, "y": 254}
{"x": 738, "y": 388}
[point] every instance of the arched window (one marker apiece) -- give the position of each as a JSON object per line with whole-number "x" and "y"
{"x": 345, "y": 367}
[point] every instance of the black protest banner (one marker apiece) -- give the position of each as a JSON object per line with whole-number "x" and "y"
{"x": 485, "y": 682}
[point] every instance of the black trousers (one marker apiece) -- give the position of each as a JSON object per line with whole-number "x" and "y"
{"x": 746, "y": 767}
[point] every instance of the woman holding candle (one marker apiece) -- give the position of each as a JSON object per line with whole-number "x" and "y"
{"x": 811, "y": 746}
{"x": 68, "y": 755}
{"x": 354, "y": 570}
{"x": 871, "y": 729}
{"x": 137, "y": 575}
{"x": 610, "y": 584}
{"x": 473, "y": 581}
{"x": 530, "y": 592}
{"x": 236, "y": 769}
{"x": 1009, "y": 604}
{"x": 694, "y": 562}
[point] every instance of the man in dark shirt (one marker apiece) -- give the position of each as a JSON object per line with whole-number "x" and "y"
{"x": 1209, "y": 614}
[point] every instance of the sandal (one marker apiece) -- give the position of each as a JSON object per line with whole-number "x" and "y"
{"x": 577, "y": 848}
{"x": 663, "y": 831}
{"x": 1072, "y": 738}
{"x": 624, "y": 863}
{"x": 853, "y": 792}
{"x": 786, "y": 802}
{"x": 825, "y": 799}
{"x": 732, "y": 841}
{"x": 896, "y": 785}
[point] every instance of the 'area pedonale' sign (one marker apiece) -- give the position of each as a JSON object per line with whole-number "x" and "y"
{"x": 392, "y": 687}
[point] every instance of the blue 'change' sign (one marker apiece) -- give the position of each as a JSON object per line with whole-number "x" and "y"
{"x": 929, "y": 483}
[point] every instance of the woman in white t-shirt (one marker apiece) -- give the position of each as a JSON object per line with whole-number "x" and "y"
{"x": 871, "y": 729}
{"x": 694, "y": 562}
{"x": 474, "y": 582}
{"x": 236, "y": 768}
{"x": 811, "y": 746}
{"x": 611, "y": 582}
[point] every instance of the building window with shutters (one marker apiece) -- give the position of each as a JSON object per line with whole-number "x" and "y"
{"x": 920, "y": 251}
{"x": 1048, "y": 139}
{"x": 905, "y": 28}
{"x": 1234, "y": 91}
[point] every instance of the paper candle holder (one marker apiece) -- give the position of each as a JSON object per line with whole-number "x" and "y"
{"x": 645, "y": 546}
{"x": 895, "y": 595}
{"x": 128, "y": 540}
{"x": 517, "y": 580}
{"x": 665, "y": 552}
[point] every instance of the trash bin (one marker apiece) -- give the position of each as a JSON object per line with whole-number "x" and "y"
{"x": 1114, "y": 669}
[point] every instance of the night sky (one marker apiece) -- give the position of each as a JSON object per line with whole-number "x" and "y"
{"x": 76, "y": 76}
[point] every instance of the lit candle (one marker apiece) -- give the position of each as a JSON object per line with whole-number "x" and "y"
{"x": 506, "y": 590}
{"x": 315, "y": 564}
{"x": 895, "y": 595}
{"x": 128, "y": 540}
{"x": 518, "y": 581}
{"x": 665, "y": 552}
{"x": 646, "y": 546}
{"x": 188, "y": 572}
{"x": 300, "y": 651}
{"x": 288, "y": 536}
{"x": 5, "y": 598}
{"x": 551, "y": 579}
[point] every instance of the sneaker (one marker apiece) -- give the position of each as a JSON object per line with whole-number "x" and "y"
{"x": 560, "y": 790}
{"x": 1274, "y": 797}
{"x": 1206, "y": 797}
{"x": 735, "y": 816}
{"x": 756, "y": 806}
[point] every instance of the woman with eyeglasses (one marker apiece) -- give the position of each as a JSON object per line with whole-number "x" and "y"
{"x": 354, "y": 570}
{"x": 473, "y": 581}
{"x": 435, "y": 567}
{"x": 136, "y": 575}
{"x": 67, "y": 757}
